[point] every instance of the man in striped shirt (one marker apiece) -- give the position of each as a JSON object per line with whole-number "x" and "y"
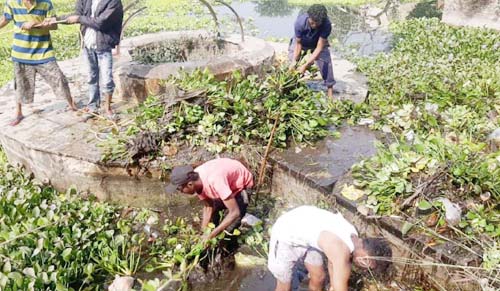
{"x": 32, "y": 51}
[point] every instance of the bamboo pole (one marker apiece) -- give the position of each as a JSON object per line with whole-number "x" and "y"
{"x": 262, "y": 170}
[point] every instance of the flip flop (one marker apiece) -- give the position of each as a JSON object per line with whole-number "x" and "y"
{"x": 112, "y": 116}
{"x": 16, "y": 121}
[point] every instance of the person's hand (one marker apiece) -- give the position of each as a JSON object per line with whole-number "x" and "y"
{"x": 47, "y": 22}
{"x": 28, "y": 25}
{"x": 302, "y": 69}
{"x": 205, "y": 238}
{"x": 73, "y": 19}
{"x": 292, "y": 66}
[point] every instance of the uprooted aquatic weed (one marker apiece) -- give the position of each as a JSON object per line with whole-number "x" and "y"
{"x": 240, "y": 110}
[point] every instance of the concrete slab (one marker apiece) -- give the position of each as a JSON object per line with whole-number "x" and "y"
{"x": 61, "y": 146}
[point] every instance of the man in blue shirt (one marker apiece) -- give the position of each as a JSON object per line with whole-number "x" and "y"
{"x": 311, "y": 34}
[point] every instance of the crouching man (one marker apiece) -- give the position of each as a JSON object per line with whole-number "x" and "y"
{"x": 306, "y": 234}
{"x": 221, "y": 184}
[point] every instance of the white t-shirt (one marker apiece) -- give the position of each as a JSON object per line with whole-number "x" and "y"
{"x": 90, "y": 37}
{"x": 303, "y": 225}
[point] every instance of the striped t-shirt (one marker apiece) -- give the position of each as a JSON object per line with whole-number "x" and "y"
{"x": 30, "y": 46}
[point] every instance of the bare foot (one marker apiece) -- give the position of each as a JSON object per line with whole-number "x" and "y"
{"x": 330, "y": 93}
{"x": 73, "y": 107}
{"x": 17, "y": 120}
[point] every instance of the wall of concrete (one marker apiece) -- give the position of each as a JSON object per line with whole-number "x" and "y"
{"x": 476, "y": 13}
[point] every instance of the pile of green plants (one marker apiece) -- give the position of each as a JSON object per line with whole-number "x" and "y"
{"x": 59, "y": 241}
{"x": 240, "y": 110}
{"x": 437, "y": 98}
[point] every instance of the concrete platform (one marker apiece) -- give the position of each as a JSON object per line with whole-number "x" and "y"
{"x": 60, "y": 146}
{"x": 484, "y": 14}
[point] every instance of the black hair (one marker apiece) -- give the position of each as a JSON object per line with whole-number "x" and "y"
{"x": 318, "y": 13}
{"x": 192, "y": 176}
{"x": 378, "y": 247}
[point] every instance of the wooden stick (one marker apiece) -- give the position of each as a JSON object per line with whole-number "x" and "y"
{"x": 422, "y": 187}
{"x": 264, "y": 159}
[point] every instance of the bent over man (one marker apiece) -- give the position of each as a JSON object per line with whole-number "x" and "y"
{"x": 306, "y": 234}
{"x": 221, "y": 184}
{"x": 312, "y": 30}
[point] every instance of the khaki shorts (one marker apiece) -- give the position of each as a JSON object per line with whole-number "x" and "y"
{"x": 25, "y": 81}
{"x": 283, "y": 257}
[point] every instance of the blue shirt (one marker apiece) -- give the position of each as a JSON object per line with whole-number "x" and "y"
{"x": 309, "y": 37}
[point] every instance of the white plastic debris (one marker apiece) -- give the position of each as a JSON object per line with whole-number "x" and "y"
{"x": 410, "y": 136}
{"x": 122, "y": 284}
{"x": 152, "y": 220}
{"x": 250, "y": 220}
{"x": 431, "y": 108}
{"x": 495, "y": 135}
{"x": 453, "y": 212}
{"x": 366, "y": 121}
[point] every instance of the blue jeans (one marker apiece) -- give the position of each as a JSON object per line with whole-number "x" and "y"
{"x": 324, "y": 63}
{"x": 100, "y": 69}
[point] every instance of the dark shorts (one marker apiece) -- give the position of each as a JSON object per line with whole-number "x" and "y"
{"x": 220, "y": 210}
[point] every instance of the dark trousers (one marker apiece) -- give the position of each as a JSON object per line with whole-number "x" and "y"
{"x": 220, "y": 210}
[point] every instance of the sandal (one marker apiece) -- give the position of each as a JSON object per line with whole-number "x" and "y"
{"x": 16, "y": 121}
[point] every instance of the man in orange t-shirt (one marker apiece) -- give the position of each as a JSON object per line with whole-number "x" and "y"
{"x": 220, "y": 184}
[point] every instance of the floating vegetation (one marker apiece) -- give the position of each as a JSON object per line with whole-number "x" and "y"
{"x": 182, "y": 50}
{"x": 437, "y": 95}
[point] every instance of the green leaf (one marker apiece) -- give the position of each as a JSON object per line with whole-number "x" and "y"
{"x": 424, "y": 205}
{"x": 17, "y": 277}
{"x": 66, "y": 254}
{"x": 7, "y": 268}
{"x": 406, "y": 228}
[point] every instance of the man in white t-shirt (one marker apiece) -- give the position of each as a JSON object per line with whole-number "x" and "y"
{"x": 307, "y": 234}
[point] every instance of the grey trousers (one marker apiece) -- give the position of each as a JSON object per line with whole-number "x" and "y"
{"x": 25, "y": 80}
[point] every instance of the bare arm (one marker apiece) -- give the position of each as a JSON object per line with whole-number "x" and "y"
{"x": 232, "y": 216}
{"x": 297, "y": 50}
{"x": 47, "y": 24}
{"x": 208, "y": 210}
{"x": 3, "y": 22}
{"x": 339, "y": 265}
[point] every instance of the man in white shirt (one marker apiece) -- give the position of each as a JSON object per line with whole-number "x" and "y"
{"x": 307, "y": 234}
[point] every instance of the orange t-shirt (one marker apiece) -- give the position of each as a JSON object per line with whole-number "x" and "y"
{"x": 223, "y": 178}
